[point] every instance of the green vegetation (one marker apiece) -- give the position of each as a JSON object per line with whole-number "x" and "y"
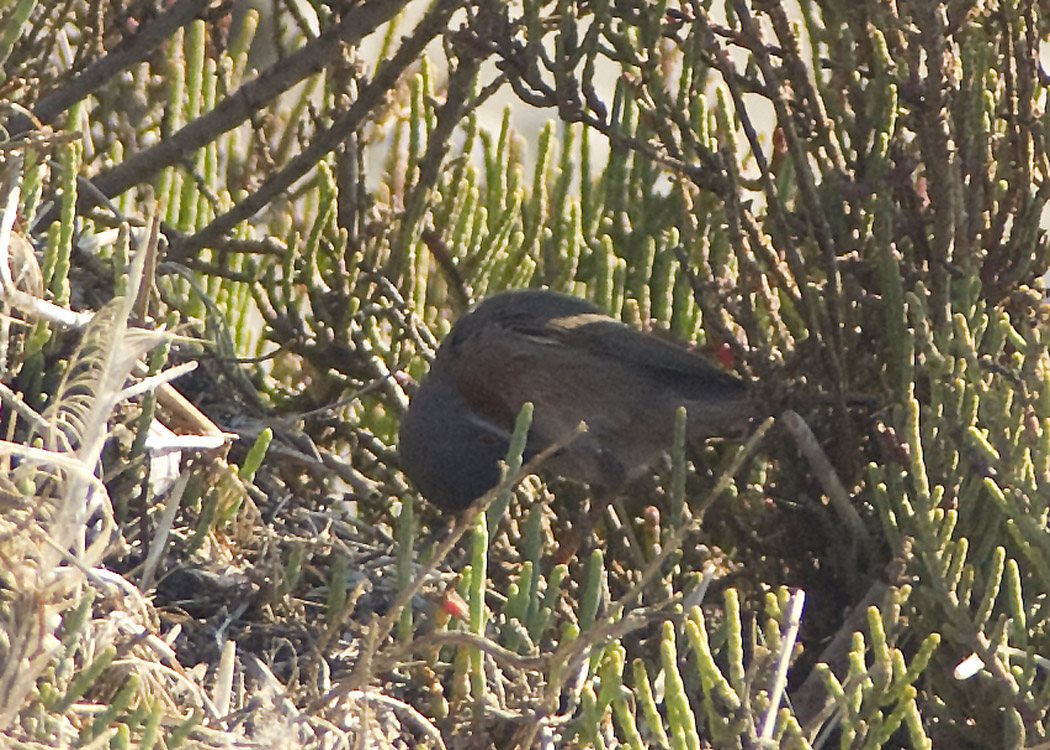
{"x": 275, "y": 213}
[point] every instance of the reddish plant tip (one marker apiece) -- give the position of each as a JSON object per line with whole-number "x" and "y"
{"x": 724, "y": 354}
{"x": 452, "y": 604}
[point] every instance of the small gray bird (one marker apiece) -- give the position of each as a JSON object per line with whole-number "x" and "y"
{"x": 574, "y": 364}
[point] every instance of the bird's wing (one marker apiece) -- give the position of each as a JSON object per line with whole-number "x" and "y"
{"x": 605, "y": 338}
{"x": 559, "y": 352}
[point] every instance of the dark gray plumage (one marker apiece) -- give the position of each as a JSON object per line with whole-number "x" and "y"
{"x": 574, "y": 364}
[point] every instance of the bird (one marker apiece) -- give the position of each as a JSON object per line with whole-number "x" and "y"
{"x": 575, "y": 364}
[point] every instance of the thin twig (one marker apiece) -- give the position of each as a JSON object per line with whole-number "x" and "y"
{"x": 371, "y": 96}
{"x": 382, "y": 628}
{"x": 246, "y": 102}
{"x": 787, "y": 648}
